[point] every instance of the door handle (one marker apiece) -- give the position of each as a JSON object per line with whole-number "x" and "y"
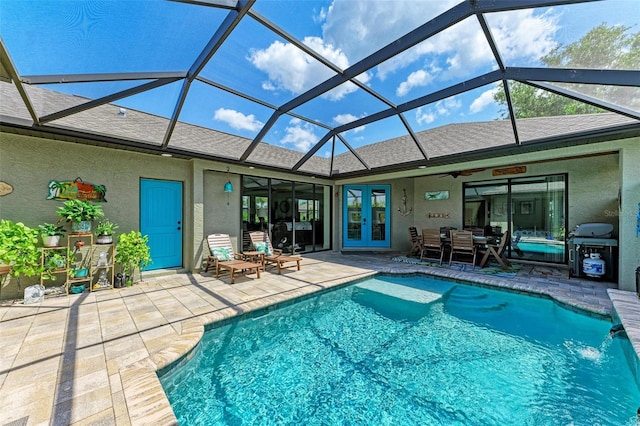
{"x": 179, "y": 228}
{"x": 365, "y": 220}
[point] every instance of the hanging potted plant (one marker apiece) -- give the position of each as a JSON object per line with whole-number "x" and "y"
{"x": 132, "y": 252}
{"x": 51, "y": 234}
{"x": 81, "y": 214}
{"x": 19, "y": 254}
{"x": 105, "y": 230}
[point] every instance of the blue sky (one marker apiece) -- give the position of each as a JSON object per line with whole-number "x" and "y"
{"x": 71, "y": 37}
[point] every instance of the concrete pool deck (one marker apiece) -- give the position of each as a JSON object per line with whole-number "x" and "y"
{"x": 92, "y": 358}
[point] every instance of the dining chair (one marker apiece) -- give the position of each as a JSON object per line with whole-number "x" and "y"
{"x": 431, "y": 245}
{"x": 416, "y": 243}
{"x": 462, "y": 246}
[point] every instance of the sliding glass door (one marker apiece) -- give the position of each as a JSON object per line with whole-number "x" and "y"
{"x": 295, "y": 214}
{"x": 538, "y": 218}
{"x": 532, "y": 209}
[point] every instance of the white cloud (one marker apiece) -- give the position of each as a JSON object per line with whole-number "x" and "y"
{"x": 300, "y": 135}
{"x": 357, "y": 26}
{"x": 292, "y": 70}
{"x": 429, "y": 114}
{"x": 238, "y": 120}
{"x": 486, "y": 98}
{"x": 348, "y": 118}
{"x": 522, "y": 36}
{"x": 425, "y": 117}
{"x": 418, "y": 78}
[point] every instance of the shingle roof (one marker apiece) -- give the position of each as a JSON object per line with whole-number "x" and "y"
{"x": 148, "y": 130}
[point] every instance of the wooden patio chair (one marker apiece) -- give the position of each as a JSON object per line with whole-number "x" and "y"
{"x": 462, "y": 244}
{"x": 416, "y": 243}
{"x": 262, "y": 242}
{"x": 432, "y": 244}
{"x": 222, "y": 256}
{"x": 497, "y": 252}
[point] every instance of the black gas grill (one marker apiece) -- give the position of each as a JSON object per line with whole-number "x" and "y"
{"x": 590, "y": 238}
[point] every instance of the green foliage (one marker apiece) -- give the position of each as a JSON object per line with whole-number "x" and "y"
{"x": 604, "y": 47}
{"x": 106, "y": 227}
{"x": 132, "y": 251}
{"x": 53, "y": 261}
{"x": 19, "y": 248}
{"x": 51, "y": 229}
{"x": 78, "y": 211}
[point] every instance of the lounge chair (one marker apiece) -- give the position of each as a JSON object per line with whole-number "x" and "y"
{"x": 222, "y": 256}
{"x": 262, "y": 242}
{"x": 462, "y": 244}
{"x": 416, "y": 243}
{"x": 431, "y": 244}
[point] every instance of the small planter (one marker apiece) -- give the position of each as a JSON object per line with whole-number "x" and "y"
{"x": 83, "y": 227}
{"x": 104, "y": 239}
{"x": 76, "y": 289}
{"x": 82, "y": 273}
{"x": 51, "y": 240}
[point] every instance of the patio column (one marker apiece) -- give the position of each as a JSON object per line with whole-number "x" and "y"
{"x": 629, "y": 236}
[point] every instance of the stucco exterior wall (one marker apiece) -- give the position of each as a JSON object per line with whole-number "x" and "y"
{"x": 220, "y": 217}
{"x": 29, "y": 164}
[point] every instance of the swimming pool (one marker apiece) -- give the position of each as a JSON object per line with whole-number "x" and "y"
{"x": 408, "y": 350}
{"x": 541, "y": 247}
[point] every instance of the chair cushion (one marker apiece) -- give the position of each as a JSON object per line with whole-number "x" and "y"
{"x": 263, "y": 247}
{"x": 223, "y": 254}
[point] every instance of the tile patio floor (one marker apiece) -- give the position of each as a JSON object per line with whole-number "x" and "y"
{"x": 91, "y": 358}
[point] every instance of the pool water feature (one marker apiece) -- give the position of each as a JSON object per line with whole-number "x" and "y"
{"x": 408, "y": 350}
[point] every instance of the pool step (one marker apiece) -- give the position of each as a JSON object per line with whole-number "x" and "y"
{"x": 469, "y": 299}
{"x": 398, "y": 291}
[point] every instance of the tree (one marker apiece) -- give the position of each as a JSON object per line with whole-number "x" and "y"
{"x": 603, "y": 47}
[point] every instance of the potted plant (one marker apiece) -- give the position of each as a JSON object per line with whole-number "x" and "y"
{"x": 105, "y": 230}
{"x": 51, "y": 234}
{"x": 81, "y": 214}
{"x": 54, "y": 262}
{"x": 19, "y": 253}
{"x": 132, "y": 252}
{"x": 80, "y": 268}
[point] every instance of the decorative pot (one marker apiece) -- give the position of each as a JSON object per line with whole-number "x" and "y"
{"x": 76, "y": 289}
{"x": 81, "y": 273}
{"x": 51, "y": 240}
{"x": 5, "y": 269}
{"x": 104, "y": 239}
{"x": 83, "y": 227}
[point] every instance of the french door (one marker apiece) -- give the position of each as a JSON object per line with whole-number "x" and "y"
{"x": 366, "y": 209}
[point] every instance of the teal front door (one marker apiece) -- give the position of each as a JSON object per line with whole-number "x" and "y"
{"x": 366, "y": 209}
{"x": 161, "y": 220}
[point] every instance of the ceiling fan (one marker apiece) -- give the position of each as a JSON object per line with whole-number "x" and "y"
{"x": 454, "y": 174}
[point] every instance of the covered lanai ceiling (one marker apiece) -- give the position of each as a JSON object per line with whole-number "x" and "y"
{"x": 328, "y": 88}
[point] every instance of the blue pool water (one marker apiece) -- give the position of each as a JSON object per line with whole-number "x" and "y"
{"x": 409, "y": 351}
{"x": 555, "y": 249}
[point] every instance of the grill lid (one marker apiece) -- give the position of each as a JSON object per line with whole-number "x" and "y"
{"x": 594, "y": 230}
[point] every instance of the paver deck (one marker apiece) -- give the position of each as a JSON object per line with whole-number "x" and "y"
{"x": 92, "y": 358}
